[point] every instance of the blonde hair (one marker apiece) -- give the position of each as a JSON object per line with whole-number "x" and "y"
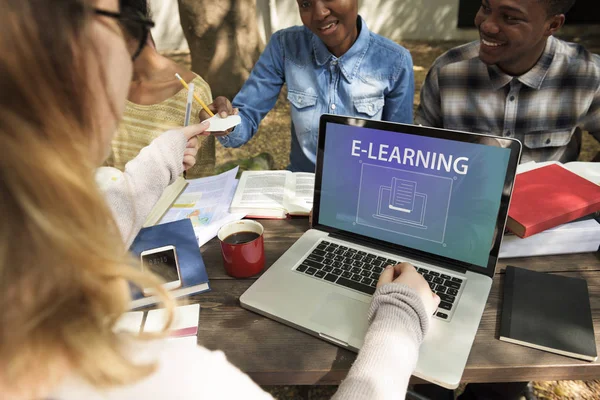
{"x": 63, "y": 267}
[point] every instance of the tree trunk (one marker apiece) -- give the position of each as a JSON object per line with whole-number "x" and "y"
{"x": 224, "y": 41}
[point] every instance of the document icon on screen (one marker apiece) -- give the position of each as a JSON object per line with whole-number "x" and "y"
{"x": 403, "y": 195}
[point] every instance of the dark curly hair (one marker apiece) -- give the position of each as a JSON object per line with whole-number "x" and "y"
{"x": 555, "y": 7}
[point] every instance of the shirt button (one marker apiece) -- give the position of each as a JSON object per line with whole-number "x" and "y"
{"x": 371, "y": 107}
{"x": 512, "y": 98}
{"x": 333, "y": 106}
{"x": 508, "y": 133}
{"x": 299, "y": 99}
{"x": 334, "y": 62}
{"x": 548, "y": 141}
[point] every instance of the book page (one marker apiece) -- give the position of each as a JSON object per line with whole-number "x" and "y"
{"x": 300, "y": 199}
{"x": 260, "y": 190}
{"x": 204, "y": 199}
{"x": 588, "y": 170}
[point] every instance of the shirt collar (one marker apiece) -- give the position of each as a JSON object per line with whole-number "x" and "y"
{"x": 351, "y": 60}
{"x": 532, "y": 78}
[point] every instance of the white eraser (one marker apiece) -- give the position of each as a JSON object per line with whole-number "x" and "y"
{"x": 218, "y": 124}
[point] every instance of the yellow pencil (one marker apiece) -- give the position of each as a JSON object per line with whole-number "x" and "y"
{"x": 185, "y": 85}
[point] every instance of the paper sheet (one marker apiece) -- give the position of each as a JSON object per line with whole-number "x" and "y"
{"x": 207, "y": 232}
{"x": 130, "y": 322}
{"x": 206, "y": 202}
{"x": 184, "y": 341}
{"x": 218, "y": 124}
{"x": 185, "y": 320}
{"x": 203, "y": 199}
{"x": 586, "y": 169}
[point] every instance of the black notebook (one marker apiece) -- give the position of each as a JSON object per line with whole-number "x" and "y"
{"x": 548, "y": 312}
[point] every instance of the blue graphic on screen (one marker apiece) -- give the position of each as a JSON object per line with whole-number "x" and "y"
{"x": 435, "y": 195}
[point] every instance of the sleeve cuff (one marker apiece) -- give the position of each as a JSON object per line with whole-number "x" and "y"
{"x": 397, "y": 306}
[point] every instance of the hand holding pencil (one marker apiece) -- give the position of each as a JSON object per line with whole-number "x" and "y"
{"x": 185, "y": 85}
{"x": 223, "y": 108}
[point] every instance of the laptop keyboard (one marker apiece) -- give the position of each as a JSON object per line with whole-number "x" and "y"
{"x": 360, "y": 271}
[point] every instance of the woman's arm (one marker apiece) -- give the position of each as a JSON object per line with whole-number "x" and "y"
{"x": 258, "y": 95}
{"x": 145, "y": 178}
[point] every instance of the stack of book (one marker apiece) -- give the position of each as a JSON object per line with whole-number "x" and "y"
{"x": 555, "y": 209}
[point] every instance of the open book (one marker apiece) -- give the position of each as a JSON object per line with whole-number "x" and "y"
{"x": 274, "y": 194}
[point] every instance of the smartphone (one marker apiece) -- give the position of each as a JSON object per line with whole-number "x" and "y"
{"x": 163, "y": 262}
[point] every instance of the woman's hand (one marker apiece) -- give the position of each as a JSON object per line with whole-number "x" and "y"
{"x": 405, "y": 273}
{"x": 191, "y": 132}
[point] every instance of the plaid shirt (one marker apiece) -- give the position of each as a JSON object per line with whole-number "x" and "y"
{"x": 546, "y": 108}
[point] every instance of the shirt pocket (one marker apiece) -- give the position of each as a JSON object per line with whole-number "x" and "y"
{"x": 371, "y": 106}
{"x": 547, "y": 138}
{"x": 306, "y": 122}
{"x": 304, "y": 106}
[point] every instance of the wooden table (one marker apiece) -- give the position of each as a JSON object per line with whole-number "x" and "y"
{"x": 275, "y": 354}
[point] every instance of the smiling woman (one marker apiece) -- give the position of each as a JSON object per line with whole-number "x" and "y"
{"x": 335, "y": 24}
{"x": 332, "y": 64}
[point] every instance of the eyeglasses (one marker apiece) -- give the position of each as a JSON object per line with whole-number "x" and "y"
{"x": 136, "y": 26}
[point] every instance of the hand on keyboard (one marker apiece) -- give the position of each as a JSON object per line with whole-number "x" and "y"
{"x": 406, "y": 274}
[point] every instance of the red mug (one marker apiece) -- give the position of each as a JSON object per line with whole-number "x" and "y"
{"x": 242, "y": 247}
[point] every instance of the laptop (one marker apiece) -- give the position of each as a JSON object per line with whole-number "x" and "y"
{"x": 387, "y": 193}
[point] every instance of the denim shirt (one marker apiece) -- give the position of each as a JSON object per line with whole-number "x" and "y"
{"x": 373, "y": 79}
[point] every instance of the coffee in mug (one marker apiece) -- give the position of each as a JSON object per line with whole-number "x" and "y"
{"x": 242, "y": 248}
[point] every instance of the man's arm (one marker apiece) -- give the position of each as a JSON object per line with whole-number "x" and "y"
{"x": 591, "y": 121}
{"x": 259, "y": 94}
{"x": 429, "y": 111}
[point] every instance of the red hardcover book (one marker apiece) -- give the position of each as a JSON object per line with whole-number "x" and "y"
{"x": 549, "y": 196}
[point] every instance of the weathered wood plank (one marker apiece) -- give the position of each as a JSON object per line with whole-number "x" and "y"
{"x": 275, "y": 354}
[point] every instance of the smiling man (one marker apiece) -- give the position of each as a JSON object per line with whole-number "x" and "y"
{"x": 333, "y": 64}
{"x": 518, "y": 81}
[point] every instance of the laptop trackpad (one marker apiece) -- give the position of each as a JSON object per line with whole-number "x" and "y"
{"x": 342, "y": 317}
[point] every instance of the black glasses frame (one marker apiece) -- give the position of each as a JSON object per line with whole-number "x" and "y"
{"x": 143, "y": 22}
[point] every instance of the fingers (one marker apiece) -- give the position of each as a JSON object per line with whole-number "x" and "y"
{"x": 220, "y": 133}
{"x": 204, "y": 115}
{"x": 436, "y": 301}
{"x": 222, "y": 106}
{"x": 192, "y": 151}
{"x": 387, "y": 276}
{"x": 192, "y": 143}
{"x": 404, "y": 267}
{"x": 188, "y": 161}
{"x": 194, "y": 130}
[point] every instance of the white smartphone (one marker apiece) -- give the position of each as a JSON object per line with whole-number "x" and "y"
{"x": 163, "y": 262}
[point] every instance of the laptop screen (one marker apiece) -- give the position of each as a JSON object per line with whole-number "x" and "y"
{"x": 428, "y": 193}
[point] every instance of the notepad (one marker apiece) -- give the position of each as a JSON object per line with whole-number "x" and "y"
{"x": 218, "y": 124}
{"x": 130, "y": 322}
{"x": 548, "y": 312}
{"x": 185, "y": 320}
